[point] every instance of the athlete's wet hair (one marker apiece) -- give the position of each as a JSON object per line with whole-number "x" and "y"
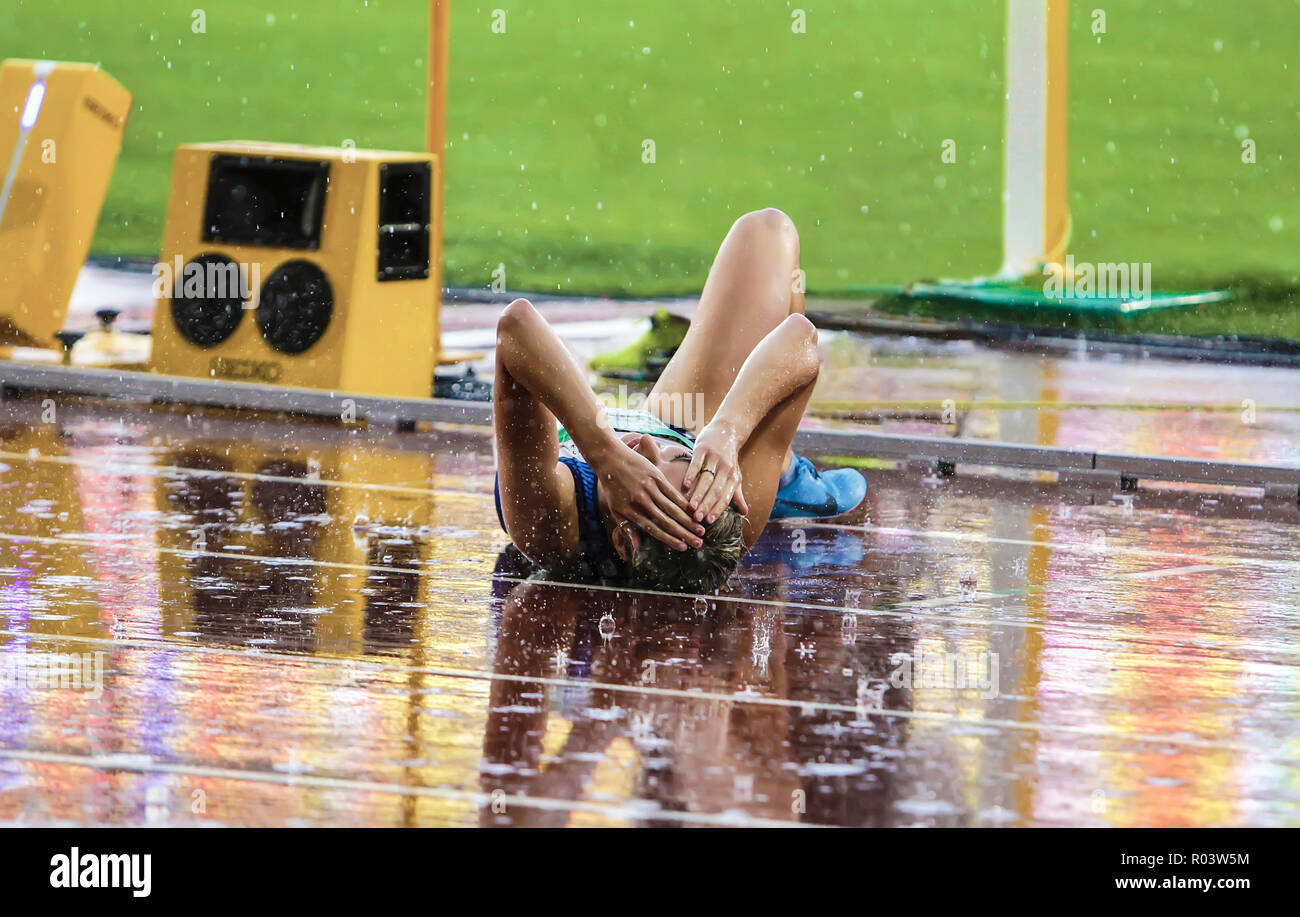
{"x": 703, "y": 569}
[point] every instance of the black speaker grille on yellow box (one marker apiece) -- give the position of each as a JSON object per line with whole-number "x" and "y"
{"x": 265, "y": 201}
{"x": 208, "y": 315}
{"x": 403, "y": 220}
{"x": 295, "y": 306}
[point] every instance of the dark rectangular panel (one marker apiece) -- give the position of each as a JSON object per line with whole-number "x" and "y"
{"x": 404, "y": 206}
{"x": 255, "y": 200}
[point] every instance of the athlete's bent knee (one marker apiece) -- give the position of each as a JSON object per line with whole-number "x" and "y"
{"x": 805, "y": 328}
{"x": 514, "y": 315}
{"x": 768, "y": 221}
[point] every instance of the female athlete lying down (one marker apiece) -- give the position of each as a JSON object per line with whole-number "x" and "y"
{"x": 663, "y": 498}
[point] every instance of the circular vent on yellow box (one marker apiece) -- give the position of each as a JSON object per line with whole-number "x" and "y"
{"x": 295, "y": 306}
{"x": 207, "y": 301}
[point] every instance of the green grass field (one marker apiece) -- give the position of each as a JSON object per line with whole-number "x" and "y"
{"x": 842, "y": 127}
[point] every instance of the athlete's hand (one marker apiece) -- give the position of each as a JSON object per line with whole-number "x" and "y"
{"x": 713, "y": 478}
{"x": 636, "y": 490}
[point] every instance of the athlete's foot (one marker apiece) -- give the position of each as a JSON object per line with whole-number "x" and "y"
{"x": 808, "y": 493}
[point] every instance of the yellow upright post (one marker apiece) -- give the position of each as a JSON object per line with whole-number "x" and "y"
{"x": 1056, "y": 206}
{"x": 435, "y": 134}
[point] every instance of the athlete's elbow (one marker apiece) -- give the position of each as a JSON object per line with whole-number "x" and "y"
{"x": 803, "y": 344}
{"x": 812, "y": 367}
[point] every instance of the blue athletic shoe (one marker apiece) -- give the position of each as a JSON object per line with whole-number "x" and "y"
{"x": 818, "y": 494}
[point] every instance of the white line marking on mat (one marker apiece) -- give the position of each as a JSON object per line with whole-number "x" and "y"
{"x": 160, "y": 470}
{"x": 734, "y": 697}
{"x": 904, "y": 610}
{"x": 1081, "y": 547}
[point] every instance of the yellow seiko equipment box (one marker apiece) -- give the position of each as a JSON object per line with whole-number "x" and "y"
{"x": 299, "y": 266}
{"x": 60, "y": 132}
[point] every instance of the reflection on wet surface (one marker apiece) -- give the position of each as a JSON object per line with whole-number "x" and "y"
{"x": 1256, "y": 415}
{"x": 308, "y": 624}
